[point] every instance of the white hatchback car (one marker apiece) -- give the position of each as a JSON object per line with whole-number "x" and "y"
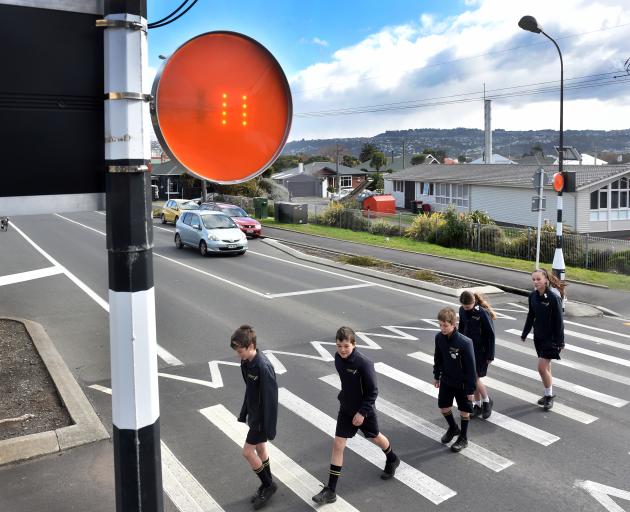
{"x": 209, "y": 231}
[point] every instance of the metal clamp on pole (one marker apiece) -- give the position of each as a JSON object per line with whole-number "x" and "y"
{"x": 134, "y": 25}
{"x": 127, "y": 168}
{"x": 128, "y": 96}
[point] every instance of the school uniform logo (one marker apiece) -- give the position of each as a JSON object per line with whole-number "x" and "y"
{"x": 352, "y": 371}
{"x": 252, "y": 376}
{"x": 454, "y": 352}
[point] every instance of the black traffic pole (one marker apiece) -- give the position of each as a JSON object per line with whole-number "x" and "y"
{"x": 135, "y": 399}
{"x": 530, "y": 24}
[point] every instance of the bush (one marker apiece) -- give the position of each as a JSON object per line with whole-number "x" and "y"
{"x": 478, "y": 217}
{"x": 491, "y": 239}
{"x": 620, "y": 262}
{"x": 424, "y": 227}
{"x": 383, "y": 227}
{"x": 454, "y": 233}
{"x": 331, "y": 216}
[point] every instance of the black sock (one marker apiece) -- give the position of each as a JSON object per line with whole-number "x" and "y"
{"x": 451, "y": 421}
{"x": 335, "y": 472}
{"x": 464, "y": 428}
{"x": 389, "y": 453}
{"x": 267, "y": 468}
{"x": 262, "y": 474}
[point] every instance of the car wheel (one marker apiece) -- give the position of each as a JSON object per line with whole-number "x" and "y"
{"x": 163, "y": 219}
{"x": 175, "y": 221}
{"x": 203, "y": 248}
{"x": 178, "y": 241}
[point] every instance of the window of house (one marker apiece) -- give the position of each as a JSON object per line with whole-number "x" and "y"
{"x": 426, "y": 189}
{"x": 456, "y": 193}
{"x": 611, "y": 202}
{"x": 346, "y": 181}
{"x": 399, "y": 186}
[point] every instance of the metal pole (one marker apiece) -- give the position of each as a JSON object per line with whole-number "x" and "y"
{"x": 541, "y": 172}
{"x": 133, "y": 347}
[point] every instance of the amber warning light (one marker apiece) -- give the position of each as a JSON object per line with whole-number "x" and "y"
{"x": 222, "y": 107}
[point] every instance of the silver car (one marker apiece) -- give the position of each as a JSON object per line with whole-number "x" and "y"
{"x": 209, "y": 231}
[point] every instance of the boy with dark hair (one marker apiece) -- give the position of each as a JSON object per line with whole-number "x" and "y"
{"x": 260, "y": 409}
{"x": 356, "y": 411}
{"x": 455, "y": 376}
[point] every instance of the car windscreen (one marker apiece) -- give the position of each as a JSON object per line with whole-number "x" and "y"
{"x": 217, "y": 222}
{"x": 234, "y": 211}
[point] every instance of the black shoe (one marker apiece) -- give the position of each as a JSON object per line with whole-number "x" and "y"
{"x": 548, "y": 403}
{"x": 326, "y": 495}
{"x": 257, "y": 493}
{"x": 541, "y": 401}
{"x": 390, "y": 468}
{"x": 486, "y": 408}
{"x": 450, "y": 434}
{"x": 476, "y": 411}
{"x": 459, "y": 445}
{"x": 265, "y": 495}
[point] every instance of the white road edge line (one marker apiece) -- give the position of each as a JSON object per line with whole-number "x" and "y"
{"x": 30, "y": 275}
{"x": 318, "y": 290}
{"x": 285, "y": 469}
{"x": 184, "y": 490}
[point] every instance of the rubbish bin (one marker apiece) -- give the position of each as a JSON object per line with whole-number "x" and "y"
{"x": 416, "y": 206}
{"x": 260, "y": 207}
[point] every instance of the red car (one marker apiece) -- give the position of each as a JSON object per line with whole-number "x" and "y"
{"x": 251, "y": 227}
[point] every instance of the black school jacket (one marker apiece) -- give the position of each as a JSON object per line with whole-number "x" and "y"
{"x": 454, "y": 361}
{"x": 358, "y": 384}
{"x": 260, "y": 406}
{"x": 477, "y": 325}
{"x": 545, "y": 315}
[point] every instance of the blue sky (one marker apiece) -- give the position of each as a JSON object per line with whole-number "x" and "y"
{"x": 375, "y": 56}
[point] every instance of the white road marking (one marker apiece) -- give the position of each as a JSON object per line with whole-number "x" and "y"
{"x": 519, "y": 306}
{"x": 602, "y": 494}
{"x": 518, "y": 427}
{"x": 597, "y": 329}
{"x": 184, "y": 490}
{"x": 22, "y": 277}
{"x": 285, "y": 469}
{"x": 423, "y": 484}
{"x": 597, "y": 339}
{"x": 474, "y": 452}
{"x": 82, "y": 225}
{"x": 318, "y": 290}
{"x": 162, "y": 352}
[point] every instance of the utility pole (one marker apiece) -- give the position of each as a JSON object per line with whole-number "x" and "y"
{"x": 133, "y": 346}
{"x": 337, "y": 167}
{"x": 403, "y": 154}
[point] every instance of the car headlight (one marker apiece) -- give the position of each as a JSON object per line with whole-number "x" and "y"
{"x": 214, "y": 238}
{"x": 243, "y": 237}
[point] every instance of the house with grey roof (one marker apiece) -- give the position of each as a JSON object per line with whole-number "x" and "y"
{"x": 600, "y": 203}
{"x": 314, "y": 179}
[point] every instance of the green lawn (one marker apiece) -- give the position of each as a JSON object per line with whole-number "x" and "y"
{"x": 617, "y": 281}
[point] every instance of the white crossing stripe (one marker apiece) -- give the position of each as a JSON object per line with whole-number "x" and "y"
{"x": 423, "y": 484}
{"x": 285, "y": 469}
{"x": 580, "y": 350}
{"x": 186, "y": 493}
{"x": 597, "y": 329}
{"x": 604, "y": 374}
{"x": 517, "y": 427}
{"x": 318, "y": 290}
{"x": 21, "y": 277}
{"x": 474, "y": 452}
{"x": 597, "y": 339}
{"x": 561, "y": 384}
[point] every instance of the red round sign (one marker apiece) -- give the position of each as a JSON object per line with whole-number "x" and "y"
{"x": 222, "y": 107}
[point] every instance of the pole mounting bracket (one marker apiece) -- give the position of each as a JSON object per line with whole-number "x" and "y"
{"x": 133, "y": 25}
{"x": 128, "y": 96}
{"x": 127, "y": 168}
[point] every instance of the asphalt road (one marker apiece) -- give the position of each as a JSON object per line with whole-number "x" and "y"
{"x": 523, "y": 459}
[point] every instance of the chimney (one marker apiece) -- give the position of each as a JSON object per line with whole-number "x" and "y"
{"x": 487, "y": 116}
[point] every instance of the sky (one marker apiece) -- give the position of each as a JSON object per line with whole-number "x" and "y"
{"x": 424, "y": 64}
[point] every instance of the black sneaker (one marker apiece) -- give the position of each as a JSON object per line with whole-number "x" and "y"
{"x": 541, "y": 401}
{"x": 486, "y": 408}
{"x": 459, "y": 445}
{"x": 265, "y": 495}
{"x": 390, "y": 468}
{"x": 548, "y": 403}
{"x": 326, "y": 495}
{"x": 257, "y": 493}
{"x": 476, "y": 411}
{"x": 450, "y": 434}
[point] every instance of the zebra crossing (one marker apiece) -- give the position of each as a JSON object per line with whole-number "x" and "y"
{"x": 510, "y": 380}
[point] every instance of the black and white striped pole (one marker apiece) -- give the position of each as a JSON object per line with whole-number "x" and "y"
{"x": 135, "y": 400}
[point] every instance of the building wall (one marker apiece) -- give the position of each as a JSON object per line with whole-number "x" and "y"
{"x": 592, "y": 226}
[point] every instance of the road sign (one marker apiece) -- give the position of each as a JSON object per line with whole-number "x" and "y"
{"x": 538, "y": 205}
{"x": 537, "y": 178}
{"x": 222, "y": 107}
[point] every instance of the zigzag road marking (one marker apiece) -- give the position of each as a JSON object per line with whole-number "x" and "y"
{"x": 474, "y": 452}
{"x": 602, "y": 494}
{"x": 508, "y": 389}
{"x": 518, "y": 427}
{"x": 421, "y": 483}
{"x": 285, "y": 469}
{"x": 22, "y": 277}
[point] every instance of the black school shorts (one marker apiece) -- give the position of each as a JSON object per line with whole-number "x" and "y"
{"x": 347, "y": 430}
{"x": 446, "y": 395}
{"x": 546, "y": 351}
{"x": 481, "y": 364}
{"x": 255, "y": 437}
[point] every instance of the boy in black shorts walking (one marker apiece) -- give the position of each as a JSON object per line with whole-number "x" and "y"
{"x": 260, "y": 409}
{"x": 455, "y": 376}
{"x": 356, "y": 411}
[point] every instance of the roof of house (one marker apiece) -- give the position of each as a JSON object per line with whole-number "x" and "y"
{"x": 501, "y": 175}
{"x": 170, "y": 168}
{"x": 496, "y": 159}
{"x": 537, "y": 159}
{"x": 320, "y": 169}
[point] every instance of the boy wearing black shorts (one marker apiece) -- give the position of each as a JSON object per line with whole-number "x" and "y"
{"x": 356, "y": 411}
{"x": 260, "y": 409}
{"x": 455, "y": 376}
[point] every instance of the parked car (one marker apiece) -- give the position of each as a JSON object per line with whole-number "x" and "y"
{"x": 209, "y": 231}
{"x": 249, "y": 226}
{"x": 173, "y": 208}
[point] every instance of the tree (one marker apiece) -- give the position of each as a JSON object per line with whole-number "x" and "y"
{"x": 283, "y": 162}
{"x": 318, "y": 158}
{"x": 418, "y": 159}
{"x": 350, "y": 161}
{"x": 377, "y": 182}
{"x": 462, "y": 159}
{"x": 439, "y": 154}
{"x": 378, "y": 160}
{"x": 367, "y": 151}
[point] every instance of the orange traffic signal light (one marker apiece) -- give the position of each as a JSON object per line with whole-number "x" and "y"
{"x": 222, "y": 107}
{"x": 558, "y": 182}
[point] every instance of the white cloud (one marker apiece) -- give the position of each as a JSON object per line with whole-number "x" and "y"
{"x": 441, "y": 57}
{"x": 319, "y": 42}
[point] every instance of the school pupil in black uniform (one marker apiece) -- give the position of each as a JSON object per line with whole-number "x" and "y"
{"x": 455, "y": 376}
{"x": 545, "y": 316}
{"x": 476, "y": 322}
{"x": 259, "y": 411}
{"x": 356, "y": 411}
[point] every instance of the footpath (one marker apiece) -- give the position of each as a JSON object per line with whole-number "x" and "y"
{"x": 609, "y": 302}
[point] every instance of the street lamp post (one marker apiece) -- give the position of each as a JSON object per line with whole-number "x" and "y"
{"x": 530, "y": 24}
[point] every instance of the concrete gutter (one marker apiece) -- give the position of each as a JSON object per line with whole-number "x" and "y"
{"x": 87, "y": 426}
{"x": 385, "y": 276}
